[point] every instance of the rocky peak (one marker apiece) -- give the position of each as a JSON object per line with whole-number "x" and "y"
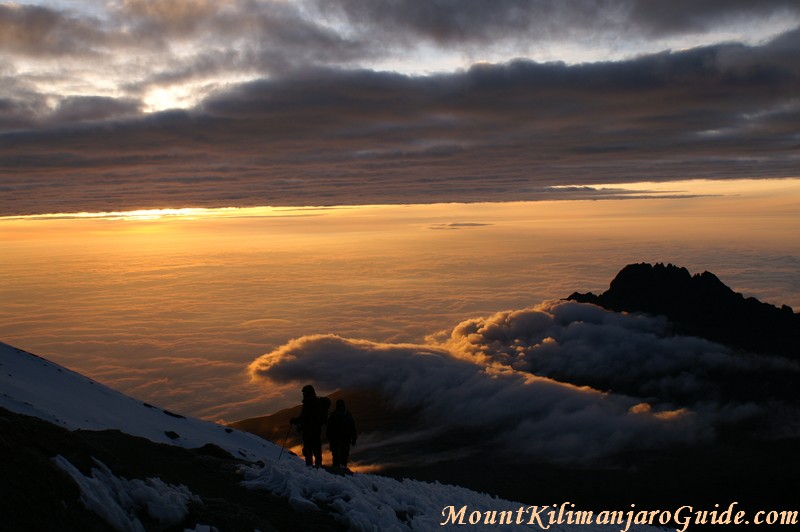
{"x": 701, "y": 305}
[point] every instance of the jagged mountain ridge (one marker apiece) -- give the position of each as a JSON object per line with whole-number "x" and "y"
{"x": 701, "y": 305}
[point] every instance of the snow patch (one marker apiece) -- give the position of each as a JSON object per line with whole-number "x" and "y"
{"x": 367, "y": 503}
{"x": 119, "y": 501}
{"x": 43, "y": 389}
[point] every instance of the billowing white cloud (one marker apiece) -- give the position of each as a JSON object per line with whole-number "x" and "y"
{"x": 515, "y": 411}
{"x": 587, "y": 345}
{"x": 562, "y": 381}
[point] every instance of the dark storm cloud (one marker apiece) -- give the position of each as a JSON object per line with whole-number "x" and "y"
{"x": 449, "y": 22}
{"x": 164, "y": 19}
{"x": 22, "y": 109}
{"x": 683, "y": 16}
{"x": 272, "y": 37}
{"x": 86, "y": 108}
{"x": 493, "y": 132}
{"x": 475, "y": 21}
{"x": 301, "y": 30}
{"x": 27, "y": 109}
{"x": 146, "y": 44}
{"x": 40, "y": 31}
{"x": 146, "y": 25}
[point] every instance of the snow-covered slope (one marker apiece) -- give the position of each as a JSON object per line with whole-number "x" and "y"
{"x": 36, "y": 387}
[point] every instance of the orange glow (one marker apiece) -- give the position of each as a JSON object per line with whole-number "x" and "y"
{"x": 113, "y": 295}
{"x": 365, "y": 468}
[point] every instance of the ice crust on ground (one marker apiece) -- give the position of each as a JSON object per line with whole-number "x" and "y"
{"x": 119, "y": 501}
{"x": 371, "y": 503}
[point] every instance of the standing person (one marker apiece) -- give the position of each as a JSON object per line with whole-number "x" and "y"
{"x": 341, "y": 434}
{"x": 313, "y": 415}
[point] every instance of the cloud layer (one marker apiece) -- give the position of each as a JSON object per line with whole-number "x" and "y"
{"x": 630, "y": 354}
{"x": 516, "y": 412}
{"x": 295, "y": 103}
{"x": 477, "y": 23}
{"x": 561, "y": 381}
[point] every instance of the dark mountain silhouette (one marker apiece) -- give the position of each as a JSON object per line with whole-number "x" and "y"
{"x": 701, "y": 305}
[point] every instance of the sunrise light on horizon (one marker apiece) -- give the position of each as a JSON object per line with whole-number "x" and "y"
{"x": 340, "y": 255}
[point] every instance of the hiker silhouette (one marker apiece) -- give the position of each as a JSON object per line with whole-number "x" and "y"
{"x": 341, "y": 434}
{"x": 309, "y": 423}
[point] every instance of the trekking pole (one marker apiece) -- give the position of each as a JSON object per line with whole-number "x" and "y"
{"x": 285, "y": 440}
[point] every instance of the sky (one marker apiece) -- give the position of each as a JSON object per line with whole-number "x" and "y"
{"x": 123, "y": 105}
